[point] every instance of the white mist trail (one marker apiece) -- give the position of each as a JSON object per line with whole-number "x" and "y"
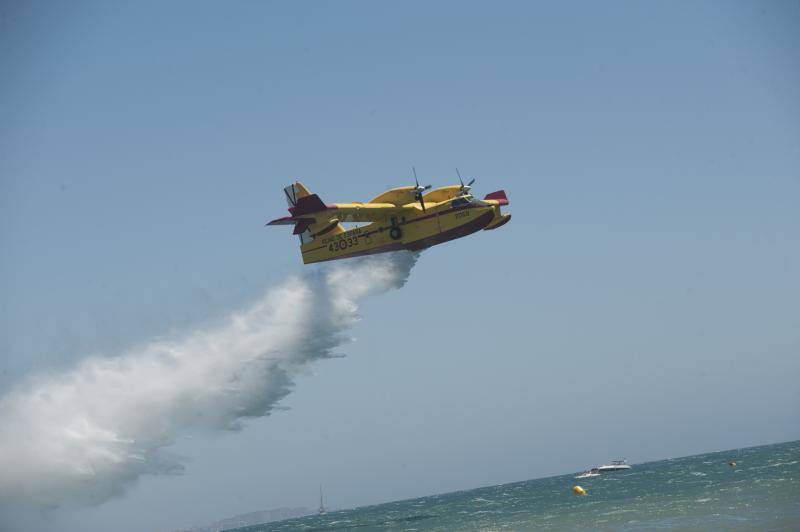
{"x": 85, "y": 435}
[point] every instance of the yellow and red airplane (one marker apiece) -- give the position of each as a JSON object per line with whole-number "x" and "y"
{"x": 402, "y": 218}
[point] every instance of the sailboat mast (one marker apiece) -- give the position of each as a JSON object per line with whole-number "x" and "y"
{"x": 321, "y": 506}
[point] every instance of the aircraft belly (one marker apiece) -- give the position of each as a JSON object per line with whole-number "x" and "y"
{"x": 454, "y": 231}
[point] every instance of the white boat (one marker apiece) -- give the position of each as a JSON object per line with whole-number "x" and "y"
{"x": 615, "y": 465}
{"x": 593, "y": 472}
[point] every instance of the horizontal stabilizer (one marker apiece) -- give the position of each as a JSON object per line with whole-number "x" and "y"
{"x": 290, "y": 220}
{"x": 286, "y": 220}
{"x": 499, "y": 196}
{"x": 307, "y": 205}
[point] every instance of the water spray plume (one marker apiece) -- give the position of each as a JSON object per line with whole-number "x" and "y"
{"x": 85, "y": 435}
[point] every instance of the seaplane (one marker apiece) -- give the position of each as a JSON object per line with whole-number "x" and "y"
{"x": 410, "y": 217}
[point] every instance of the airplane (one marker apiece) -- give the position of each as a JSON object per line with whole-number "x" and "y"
{"x": 401, "y": 218}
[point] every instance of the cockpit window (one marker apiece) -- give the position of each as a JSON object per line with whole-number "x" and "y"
{"x": 459, "y": 201}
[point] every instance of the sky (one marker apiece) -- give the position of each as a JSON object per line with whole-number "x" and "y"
{"x": 642, "y": 303}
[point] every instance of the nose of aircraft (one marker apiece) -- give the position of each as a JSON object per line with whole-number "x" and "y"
{"x": 498, "y": 220}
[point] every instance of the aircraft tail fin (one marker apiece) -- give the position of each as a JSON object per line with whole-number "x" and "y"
{"x": 294, "y": 192}
{"x": 306, "y": 209}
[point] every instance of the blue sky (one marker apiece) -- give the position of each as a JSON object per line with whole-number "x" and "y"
{"x": 643, "y": 302}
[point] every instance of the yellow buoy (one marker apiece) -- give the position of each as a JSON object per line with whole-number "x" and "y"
{"x": 577, "y": 490}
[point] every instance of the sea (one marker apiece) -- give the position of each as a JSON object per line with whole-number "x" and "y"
{"x": 760, "y": 491}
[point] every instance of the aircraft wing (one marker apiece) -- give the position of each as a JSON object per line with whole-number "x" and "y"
{"x": 310, "y": 210}
{"x": 361, "y": 212}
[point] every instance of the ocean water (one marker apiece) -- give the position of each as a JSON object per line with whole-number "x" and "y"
{"x": 703, "y": 492}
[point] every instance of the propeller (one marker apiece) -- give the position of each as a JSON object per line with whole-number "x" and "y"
{"x": 464, "y": 188}
{"x": 418, "y": 190}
